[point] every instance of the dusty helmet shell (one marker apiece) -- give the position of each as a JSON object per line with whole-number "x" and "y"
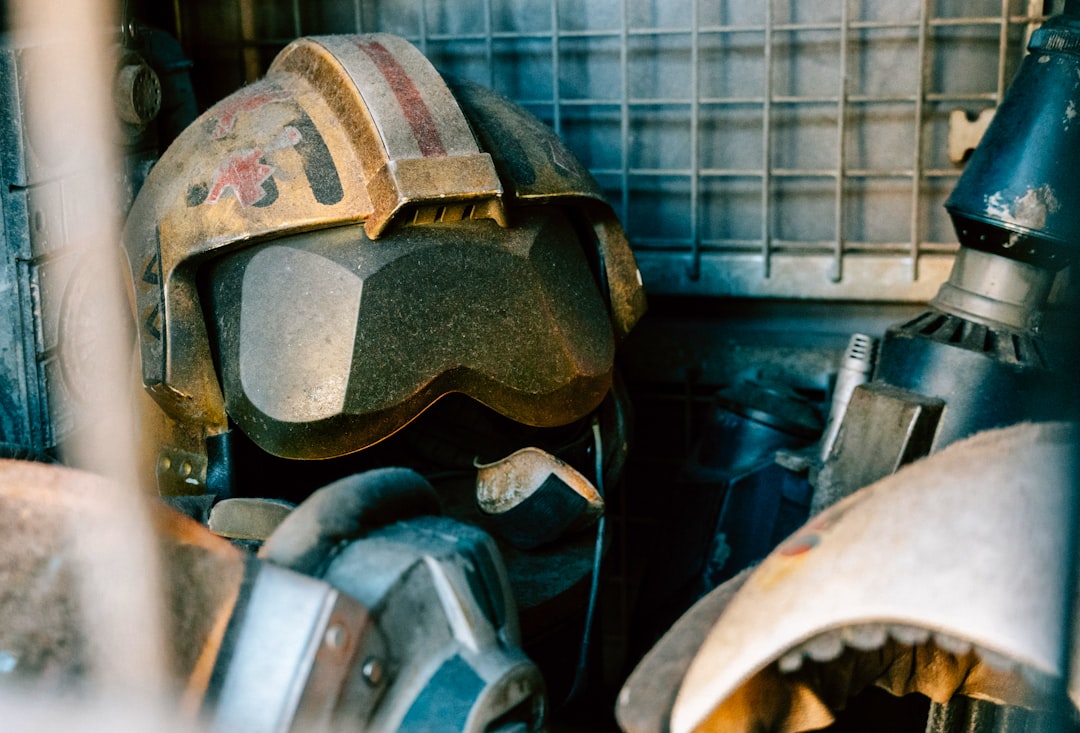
{"x": 326, "y": 252}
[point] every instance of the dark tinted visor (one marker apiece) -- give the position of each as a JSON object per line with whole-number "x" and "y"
{"x": 328, "y": 342}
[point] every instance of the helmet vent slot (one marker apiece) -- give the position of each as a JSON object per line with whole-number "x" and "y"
{"x": 443, "y": 213}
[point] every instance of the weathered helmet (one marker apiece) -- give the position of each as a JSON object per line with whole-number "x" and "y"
{"x": 946, "y": 579}
{"x": 328, "y": 251}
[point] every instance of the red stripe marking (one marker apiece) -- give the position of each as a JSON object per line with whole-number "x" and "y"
{"x": 799, "y": 545}
{"x": 417, "y": 114}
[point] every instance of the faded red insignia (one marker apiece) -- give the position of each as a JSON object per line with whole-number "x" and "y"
{"x": 244, "y": 174}
{"x": 246, "y": 100}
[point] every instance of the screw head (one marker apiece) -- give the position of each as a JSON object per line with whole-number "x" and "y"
{"x": 334, "y": 636}
{"x": 372, "y": 671}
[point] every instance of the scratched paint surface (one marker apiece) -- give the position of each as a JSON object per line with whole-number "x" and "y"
{"x": 242, "y": 175}
{"x": 417, "y": 114}
{"x": 246, "y": 174}
{"x": 1030, "y": 210}
{"x": 247, "y": 100}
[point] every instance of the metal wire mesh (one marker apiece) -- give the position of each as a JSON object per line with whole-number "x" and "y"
{"x": 793, "y": 148}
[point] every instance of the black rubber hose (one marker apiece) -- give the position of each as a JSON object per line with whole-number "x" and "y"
{"x": 346, "y": 510}
{"x": 594, "y": 587}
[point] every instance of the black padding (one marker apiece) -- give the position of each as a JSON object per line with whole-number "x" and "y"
{"x": 542, "y": 517}
{"x": 347, "y": 510}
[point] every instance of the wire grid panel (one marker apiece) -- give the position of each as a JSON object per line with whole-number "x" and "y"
{"x": 792, "y": 148}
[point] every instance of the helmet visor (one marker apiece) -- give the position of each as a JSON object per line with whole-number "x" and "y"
{"x": 328, "y": 342}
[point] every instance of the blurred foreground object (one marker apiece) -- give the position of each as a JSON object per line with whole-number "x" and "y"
{"x": 69, "y": 164}
{"x": 79, "y": 134}
{"x": 395, "y": 621}
{"x": 50, "y": 516}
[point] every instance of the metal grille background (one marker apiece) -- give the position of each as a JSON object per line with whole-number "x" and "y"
{"x": 789, "y": 148}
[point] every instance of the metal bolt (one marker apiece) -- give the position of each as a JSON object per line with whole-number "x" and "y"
{"x": 335, "y": 637}
{"x": 372, "y": 671}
